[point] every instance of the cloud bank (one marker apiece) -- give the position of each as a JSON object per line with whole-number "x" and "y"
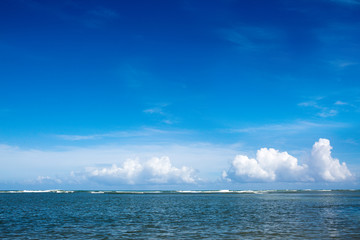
{"x": 270, "y": 165}
{"x": 103, "y": 166}
{"x": 156, "y": 171}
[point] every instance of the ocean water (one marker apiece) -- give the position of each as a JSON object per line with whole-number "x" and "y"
{"x": 180, "y": 214}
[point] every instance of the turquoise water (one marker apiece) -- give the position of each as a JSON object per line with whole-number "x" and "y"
{"x": 180, "y": 215}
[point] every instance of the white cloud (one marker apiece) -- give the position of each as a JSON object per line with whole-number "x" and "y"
{"x": 295, "y": 127}
{"x": 155, "y": 170}
{"x": 323, "y": 111}
{"x": 77, "y": 137}
{"x": 154, "y": 110}
{"x": 128, "y": 173}
{"x": 327, "y": 113}
{"x": 198, "y": 163}
{"x": 324, "y": 166}
{"x": 340, "y": 103}
{"x": 159, "y": 110}
{"x": 143, "y": 132}
{"x": 330, "y": 106}
{"x": 308, "y": 104}
{"x": 162, "y": 171}
{"x": 18, "y": 164}
{"x": 167, "y": 121}
{"x": 271, "y": 165}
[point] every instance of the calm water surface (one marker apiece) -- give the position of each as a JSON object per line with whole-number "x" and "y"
{"x": 185, "y": 215}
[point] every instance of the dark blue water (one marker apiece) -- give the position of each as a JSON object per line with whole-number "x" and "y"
{"x": 174, "y": 215}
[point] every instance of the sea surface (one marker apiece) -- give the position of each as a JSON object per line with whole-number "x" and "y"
{"x": 290, "y": 214}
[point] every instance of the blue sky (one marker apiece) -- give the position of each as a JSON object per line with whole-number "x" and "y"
{"x": 169, "y": 94}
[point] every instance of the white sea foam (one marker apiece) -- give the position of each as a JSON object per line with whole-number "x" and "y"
{"x": 43, "y": 191}
{"x": 216, "y": 191}
{"x": 246, "y": 191}
{"x": 35, "y": 191}
{"x": 174, "y": 192}
{"x": 64, "y": 191}
{"x": 181, "y": 191}
{"x": 38, "y": 191}
{"x": 130, "y": 192}
{"x": 224, "y": 191}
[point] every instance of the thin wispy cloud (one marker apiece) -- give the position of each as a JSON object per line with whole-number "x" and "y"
{"x": 86, "y": 15}
{"x": 323, "y": 108}
{"x": 157, "y": 109}
{"x": 252, "y": 38}
{"x": 346, "y": 2}
{"x": 78, "y": 137}
{"x": 327, "y": 113}
{"x": 160, "y": 110}
{"x": 342, "y": 64}
{"x": 104, "y": 13}
{"x": 294, "y": 127}
{"x": 167, "y": 121}
{"x": 334, "y": 104}
{"x": 122, "y": 134}
{"x": 340, "y": 103}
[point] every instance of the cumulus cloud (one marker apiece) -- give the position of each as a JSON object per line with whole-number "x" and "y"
{"x": 155, "y": 170}
{"x": 326, "y": 167}
{"x": 271, "y": 165}
{"x": 161, "y": 171}
{"x": 20, "y": 164}
{"x": 128, "y": 172}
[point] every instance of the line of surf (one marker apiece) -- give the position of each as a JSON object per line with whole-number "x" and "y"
{"x": 224, "y": 191}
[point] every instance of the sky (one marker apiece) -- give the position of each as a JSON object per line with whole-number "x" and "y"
{"x": 179, "y": 94}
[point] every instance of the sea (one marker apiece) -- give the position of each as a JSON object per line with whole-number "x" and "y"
{"x": 221, "y": 214}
